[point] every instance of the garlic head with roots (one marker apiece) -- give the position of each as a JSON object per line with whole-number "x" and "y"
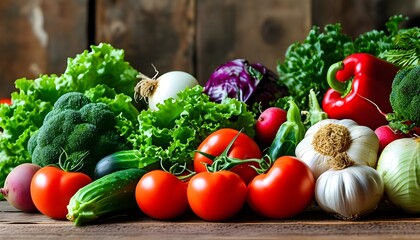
{"x": 331, "y": 139}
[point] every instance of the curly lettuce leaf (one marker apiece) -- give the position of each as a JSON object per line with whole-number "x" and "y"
{"x": 33, "y": 99}
{"x": 102, "y": 65}
{"x": 171, "y": 133}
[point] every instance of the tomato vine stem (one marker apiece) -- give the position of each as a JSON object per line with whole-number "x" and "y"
{"x": 224, "y": 162}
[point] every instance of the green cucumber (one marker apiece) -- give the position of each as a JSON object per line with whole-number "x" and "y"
{"x": 112, "y": 194}
{"x": 120, "y": 160}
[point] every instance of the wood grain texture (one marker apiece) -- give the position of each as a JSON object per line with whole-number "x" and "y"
{"x": 355, "y": 16}
{"x": 384, "y": 223}
{"x": 151, "y": 32}
{"x": 37, "y": 37}
{"x": 259, "y": 31}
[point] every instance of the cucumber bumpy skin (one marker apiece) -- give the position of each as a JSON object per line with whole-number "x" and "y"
{"x": 112, "y": 194}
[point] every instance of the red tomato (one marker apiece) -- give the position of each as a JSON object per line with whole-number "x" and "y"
{"x": 161, "y": 195}
{"x": 244, "y": 147}
{"x": 52, "y": 188}
{"x": 284, "y": 191}
{"x": 216, "y": 196}
{"x": 6, "y": 101}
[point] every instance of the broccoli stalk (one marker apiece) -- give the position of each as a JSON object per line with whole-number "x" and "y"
{"x": 405, "y": 100}
{"x": 79, "y": 128}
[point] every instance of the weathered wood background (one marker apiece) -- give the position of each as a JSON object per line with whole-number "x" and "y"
{"x": 37, "y": 36}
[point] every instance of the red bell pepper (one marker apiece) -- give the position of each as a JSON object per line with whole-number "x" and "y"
{"x": 360, "y": 89}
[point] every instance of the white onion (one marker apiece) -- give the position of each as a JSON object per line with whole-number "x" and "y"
{"x": 167, "y": 86}
{"x": 399, "y": 166}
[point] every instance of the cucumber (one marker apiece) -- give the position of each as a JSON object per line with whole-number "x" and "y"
{"x": 112, "y": 194}
{"x": 120, "y": 160}
{"x": 117, "y": 161}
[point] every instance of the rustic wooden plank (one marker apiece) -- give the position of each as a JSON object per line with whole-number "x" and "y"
{"x": 259, "y": 31}
{"x": 409, "y": 8}
{"x": 386, "y": 222}
{"x": 151, "y": 32}
{"x": 355, "y": 16}
{"x": 66, "y": 24}
{"x": 359, "y": 16}
{"x": 37, "y": 37}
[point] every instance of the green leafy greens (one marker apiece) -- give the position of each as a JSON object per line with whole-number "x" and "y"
{"x": 405, "y": 52}
{"x": 102, "y": 74}
{"x": 306, "y": 63}
{"x": 171, "y": 134}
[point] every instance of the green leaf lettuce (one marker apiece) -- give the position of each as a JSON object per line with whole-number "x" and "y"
{"x": 172, "y": 133}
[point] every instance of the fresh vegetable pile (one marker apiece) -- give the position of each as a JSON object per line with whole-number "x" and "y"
{"x": 337, "y": 127}
{"x": 102, "y": 74}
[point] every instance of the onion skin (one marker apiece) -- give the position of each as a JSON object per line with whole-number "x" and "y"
{"x": 16, "y": 188}
{"x": 169, "y": 85}
{"x": 399, "y": 166}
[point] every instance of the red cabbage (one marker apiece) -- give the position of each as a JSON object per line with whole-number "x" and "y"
{"x": 249, "y": 83}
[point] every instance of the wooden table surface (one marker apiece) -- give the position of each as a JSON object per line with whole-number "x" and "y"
{"x": 385, "y": 223}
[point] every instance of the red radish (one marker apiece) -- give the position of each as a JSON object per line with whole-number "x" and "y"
{"x": 16, "y": 188}
{"x": 387, "y": 135}
{"x": 267, "y": 125}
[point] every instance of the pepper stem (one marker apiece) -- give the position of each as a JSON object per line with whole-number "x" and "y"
{"x": 338, "y": 86}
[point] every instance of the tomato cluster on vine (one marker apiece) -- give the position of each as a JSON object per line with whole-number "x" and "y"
{"x": 229, "y": 172}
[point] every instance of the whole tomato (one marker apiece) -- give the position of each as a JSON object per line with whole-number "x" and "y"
{"x": 161, "y": 195}
{"x": 244, "y": 147}
{"x": 284, "y": 191}
{"x": 51, "y": 190}
{"x": 216, "y": 196}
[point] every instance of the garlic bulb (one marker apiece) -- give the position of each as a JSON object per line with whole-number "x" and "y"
{"x": 350, "y": 192}
{"x": 332, "y": 138}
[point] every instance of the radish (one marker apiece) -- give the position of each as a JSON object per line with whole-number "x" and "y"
{"x": 156, "y": 91}
{"x": 386, "y": 135}
{"x": 16, "y": 188}
{"x": 268, "y": 124}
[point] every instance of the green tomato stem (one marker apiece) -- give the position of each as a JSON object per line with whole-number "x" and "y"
{"x": 70, "y": 164}
{"x": 224, "y": 162}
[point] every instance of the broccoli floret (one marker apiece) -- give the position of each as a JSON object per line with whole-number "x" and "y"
{"x": 71, "y": 100}
{"x": 405, "y": 99}
{"x": 83, "y": 130}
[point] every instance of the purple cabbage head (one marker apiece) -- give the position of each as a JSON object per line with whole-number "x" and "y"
{"x": 249, "y": 83}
